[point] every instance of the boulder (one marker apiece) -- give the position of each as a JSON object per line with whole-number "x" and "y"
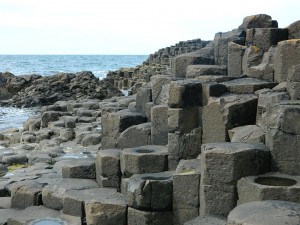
{"x": 286, "y": 56}
{"x": 294, "y": 30}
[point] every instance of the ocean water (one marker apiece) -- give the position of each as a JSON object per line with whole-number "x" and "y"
{"x": 46, "y": 65}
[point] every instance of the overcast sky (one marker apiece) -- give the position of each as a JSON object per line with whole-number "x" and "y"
{"x": 124, "y": 26}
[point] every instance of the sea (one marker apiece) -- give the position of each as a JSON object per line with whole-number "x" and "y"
{"x": 47, "y": 65}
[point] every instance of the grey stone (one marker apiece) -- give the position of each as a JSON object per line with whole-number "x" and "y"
{"x": 221, "y": 41}
{"x": 79, "y": 168}
{"x": 91, "y": 139}
{"x": 186, "y": 203}
{"x": 264, "y": 38}
{"x": 108, "y": 171}
{"x": 226, "y": 112}
{"x": 150, "y": 191}
{"x": 252, "y": 57}
{"x": 180, "y": 63}
{"x": 286, "y": 56}
{"x": 257, "y": 21}
{"x": 255, "y": 213}
{"x": 6, "y": 214}
{"x": 5, "y": 203}
{"x": 183, "y": 146}
{"x": 144, "y": 95}
{"x": 25, "y": 194}
{"x": 293, "y": 82}
{"x": 212, "y": 89}
{"x": 235, "y": 59}
{"x": 270, "y": 186}
{"x": 205, "y": 220}
{"x": 15, "y": 159}
{"x": 218, "y": 194}
{"x": 74, "y": 200}
{"x": 33, "y": 214}
{"x": 294, "y": 30}
{"x": 181, "y": 92}
{"x": 282, "y": 135}
{"x": 67, "y": 134}
{"x": 266, "y": 98}
{"x": 115, "y": 123}
{"x": 159, "y": 125}
{"x": 199, "y": 70}
{"x": 53, "y": 194}
{"x": 108, "y": 210}
{"x": 50, "y": 116}
{"x": 158, "y": 83}
{"x": 144, "y": 159}
{"x": 135, "y": 136}
{"x": 183, "y": 120}
{"x": 138, "y": 217}
{"x": 251, "y": 134}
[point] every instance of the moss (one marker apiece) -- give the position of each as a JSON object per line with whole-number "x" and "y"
{"x": 255, "y": 48}
{"x": 16, "y": 166}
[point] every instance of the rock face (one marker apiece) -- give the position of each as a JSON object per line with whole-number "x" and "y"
{"x": 35, "y": 90}
{"x": 175, "y": 151}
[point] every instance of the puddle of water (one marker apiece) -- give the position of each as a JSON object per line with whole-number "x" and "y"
{"x": 48, "y": 221}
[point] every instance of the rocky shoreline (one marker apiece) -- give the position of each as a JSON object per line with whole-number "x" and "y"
{"x": 209, "y": 135}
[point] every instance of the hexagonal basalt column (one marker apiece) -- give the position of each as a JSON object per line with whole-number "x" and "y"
{"x": 271, "y": 186}
{"x": 138, "y": 217}
{"x": 144, "y": 159}
{"x": 223, "y": 164}
{"x": 151, "y": 191}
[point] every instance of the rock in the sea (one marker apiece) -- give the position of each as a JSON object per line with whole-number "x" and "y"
{"x": 36, "y": 90}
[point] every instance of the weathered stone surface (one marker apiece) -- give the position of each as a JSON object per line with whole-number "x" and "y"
{"x": 183, "y": 120}
{"x": 14, "y": 159}
{"x": 251, "y": 134}
{"x": 264, "y": 71}
{"x": 181, "y": 92}
{"x": 252, "y": 57}
{"x": 294, "y": 30}
{"x": 150, "y": 191}
{"x": 135, "y": 136}
{"x": 293, "y": 82}
{"x": 180, "y": 63}
{"x": 226, "y": 112}
{"x": 268, "y": 97}
{"x": 235, "y": 59}
{"x": 144, "y": 159}
{"x": 108, "y": 171}
{"x": 221, "y": 41}
{"x": 270, "y": 186}
{"x": 186, "y": 186}
{"x": 160, "y": 93}
{"x": 159, "y": 125}
{"x": 53, "y": 193}
{"x": 183, "y": 146}
{"x": 115, "y": 123}
{"x": 74, "y": 200}
{"x": 91, "y": 139}
{"x": 282, "y": 135}
{"x": 143, "y": 96}
{"x": 25, "y": 194}
{"x": 138, "y": 217}
{"x": 212, "y": 89}
{"x": 5, "y": 203}
{"x": 286, "y": 56}
{"x": 198, "y": 70}
{"x": 205, "y": 220}
{"x": 257, "y": 21}
{"x": 37, "y": 213}
{"x": 79, "y": 168}
{"x": 109, "y": 210}
{"x": 223, "y": 165}
{"x": 255, "y": 213}
{"x": 247, "y": 85}
{"x": 264, "y": 38}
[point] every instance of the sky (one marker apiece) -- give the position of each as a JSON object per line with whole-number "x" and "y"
{"x": 124, "y": 26}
